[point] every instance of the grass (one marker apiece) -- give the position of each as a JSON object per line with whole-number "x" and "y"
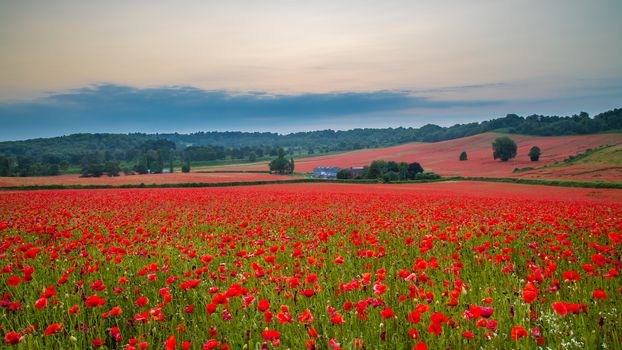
{"x": 604, "y": 155}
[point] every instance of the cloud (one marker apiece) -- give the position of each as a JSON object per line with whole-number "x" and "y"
{"x": 118, "y": 108}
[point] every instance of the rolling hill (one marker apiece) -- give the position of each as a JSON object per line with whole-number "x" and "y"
{"x": 442, "y": 157}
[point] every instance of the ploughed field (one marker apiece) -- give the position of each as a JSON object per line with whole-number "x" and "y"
{"x": 318, "y": 266}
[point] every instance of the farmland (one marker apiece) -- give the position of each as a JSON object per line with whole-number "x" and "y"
{"x": 442, "y": 157}
{"x": 316, "y": 266}
{"x": 174, "y": 178}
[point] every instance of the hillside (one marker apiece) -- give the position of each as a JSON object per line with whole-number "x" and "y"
{"x": 239, "y": 145}
{"x": 600, "y": 164}
{"x": 442, "y": 157}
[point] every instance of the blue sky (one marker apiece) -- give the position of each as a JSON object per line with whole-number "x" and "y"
{"x": 185, "y": 66}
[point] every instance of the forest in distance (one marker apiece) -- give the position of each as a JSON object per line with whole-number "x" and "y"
{"x": 52, "y": 156}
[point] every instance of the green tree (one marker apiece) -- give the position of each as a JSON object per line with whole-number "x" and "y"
{"x": 281, "y": 165}
{"x": 53, "y": 170}
{"x": 64, "y": 165}
{"x": 504, "y": 148}
{"x": 5, "y": 166}
{"x": 252, "y": 157}
{"x": 534, "y": 153}
{"x": 344, "y": 174}
{"x": 94, "y": 170}
{"x": 376, "y": 170}
{"x": 463, "y": 156}
{"x": 414, "y": 169}
{"x": 112, "y": 168}
{"x": 186, "y": 167}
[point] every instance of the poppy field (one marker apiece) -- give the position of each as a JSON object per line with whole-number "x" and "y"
{"x": 148, "y": 179}
{"x": 312, "y": 266}
{"x": 443, "y": 157}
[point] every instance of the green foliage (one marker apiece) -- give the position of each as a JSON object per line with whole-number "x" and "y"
{"x": 155, "y": 150}
{"x": 141, "y": 168}
{"x": 427, "y": 176}
{"x": 463, "y": 156}
{"x": 281, "y": 165}
{"x": 112, "y": 168}
{"x": 185, "y": 168}
{"x": 344, "y": 174}
{"x": 5, "y": 166}
{"x": 534, "y": 153}
{"x": 252, "y": 157}
{"x": 504, "y": 148}
{"x": 93, "y": 169}
{"x": 390, "y": 171}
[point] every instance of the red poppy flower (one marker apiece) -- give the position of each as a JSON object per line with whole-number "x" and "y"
{"x": 270, "y": 334}
{"x": 560, "y": 308}
{"x": 53, "y": 328}
{"x": 420, "y": 346}
{"x": 170, "y": 343}
{"x": 41, "y": 303}
{"x": 337, "y": 318}
{"x": 13, "y": 281}
{"x": 141, "y": 301}
{"x": 599, "y": 294}
{"x": 386, "y": 313}
{"x": 211, "y": 344}
{"x": 530, "y": 293}
{"x": 12, "y": 338}
{"x": 94, "y": 300}
{"x": 263, "y": 305}
{"x": 518, "y": 332}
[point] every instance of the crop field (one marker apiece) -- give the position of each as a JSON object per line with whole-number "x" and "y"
{"x": 457, "y": 265}
{"x": 443, "y": 157}
{"x": 138, "y": 179}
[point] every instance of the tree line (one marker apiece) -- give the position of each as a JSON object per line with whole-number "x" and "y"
{"x": 388, "y": 171}
{"x": 51, "y": 156}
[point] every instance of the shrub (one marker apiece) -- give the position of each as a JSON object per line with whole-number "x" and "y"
{"x": 534, "y": 153}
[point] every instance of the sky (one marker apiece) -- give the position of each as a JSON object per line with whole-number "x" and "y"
{"x": 285, "y": 66}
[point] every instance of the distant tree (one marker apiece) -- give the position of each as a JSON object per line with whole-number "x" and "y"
{"x": 375, "y": 169}
{"x": 186, "y": 167}
{"x": 141, "y": 168}
{"x": 93, "y": 170}
{"x": 23, "y": 165}
{"x": 64, "y": 165}
{"x": 53, "y": 170}
{"x": 252, "y": 157}
{"x": 390, "y": 176}
{"x": 414, "y": 169}
{"x": 504, "y": 148}
{"x": 112, "y": 168}
{"x": 534, "y": 153}
{"x": 5, "y": 166}
{"x": 463, "y": 155}
{"x": 344, "y": 174}
{"x": 281, "y": 165}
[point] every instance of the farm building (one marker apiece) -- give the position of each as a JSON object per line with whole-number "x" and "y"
{"x": 326, "y": 172}
{"x": 357, "y": 170}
